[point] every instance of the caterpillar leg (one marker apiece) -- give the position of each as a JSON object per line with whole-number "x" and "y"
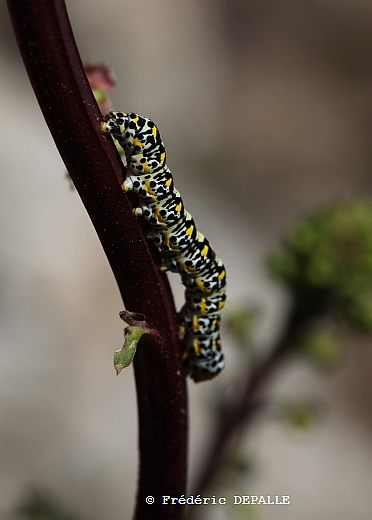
{"x": 127, "y": 185}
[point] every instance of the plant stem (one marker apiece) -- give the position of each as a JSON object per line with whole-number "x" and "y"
{"x": 56, "y": 73}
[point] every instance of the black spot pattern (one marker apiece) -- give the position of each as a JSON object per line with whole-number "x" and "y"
{"x": 184, "y": 249}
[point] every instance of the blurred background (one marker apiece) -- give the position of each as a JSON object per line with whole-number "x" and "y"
{"x": 265, "y": 109}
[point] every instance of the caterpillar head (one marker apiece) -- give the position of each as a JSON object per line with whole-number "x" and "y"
{"x": 115, "y": 123}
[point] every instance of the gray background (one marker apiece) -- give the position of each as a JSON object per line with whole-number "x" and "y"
{"x": 265, "y": 109}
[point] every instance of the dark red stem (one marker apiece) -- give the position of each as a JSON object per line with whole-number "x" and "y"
{"x": 53, "y": 63}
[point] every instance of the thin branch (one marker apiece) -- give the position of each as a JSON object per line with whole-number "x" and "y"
{"x": 239, "y": 415}
{"x": 53, "y": 63}
{"x": 241, "y": 412}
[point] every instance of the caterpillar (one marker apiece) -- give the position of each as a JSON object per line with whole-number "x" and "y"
{"x": 183, "y": 248}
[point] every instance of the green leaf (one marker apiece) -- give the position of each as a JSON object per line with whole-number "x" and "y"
{"x": 327, "y": 258}
{"x": 124, "y": 357}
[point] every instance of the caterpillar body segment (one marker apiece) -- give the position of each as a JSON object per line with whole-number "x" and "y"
{"x": 172, "y": 229}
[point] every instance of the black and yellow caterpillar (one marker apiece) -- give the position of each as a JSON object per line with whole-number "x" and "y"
{"x": 184, "y": 250}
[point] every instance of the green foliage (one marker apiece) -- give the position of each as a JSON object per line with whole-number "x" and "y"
{"x": 246, "y": 511}
{"x": 99, "y": 95}
{"x": 39, "y": 505}
{"x": 124, "y": 357}
{"x": 235, "y": 467}
{"x": 328, "y": 257}
{"x": 301, "y": 416}
{"x": 240, "y": 324}
{"x": 323, "y": 346}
